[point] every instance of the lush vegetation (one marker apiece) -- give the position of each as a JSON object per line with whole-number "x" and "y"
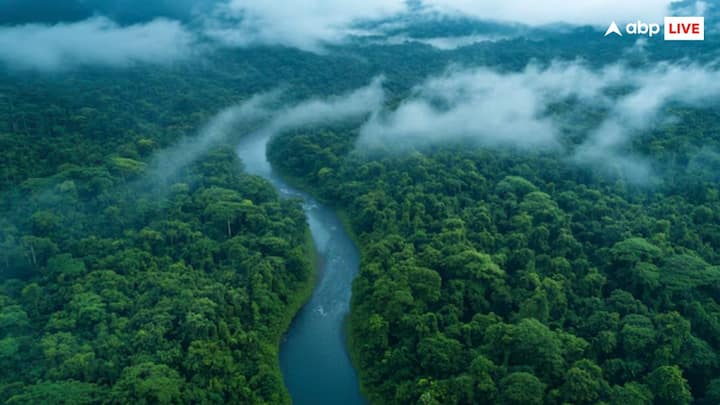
{"x": 493, "y": 276}
{"x": 488, "y": 276}
{"x": 124, "y": 285}
{"x": 150, "y": 298}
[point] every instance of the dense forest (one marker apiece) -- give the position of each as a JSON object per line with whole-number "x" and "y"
{"x": 123, "y": 288}
{"x": 136, "y": 298}
{"x": 493, "y": 276}
{"x": 489, "y": 274}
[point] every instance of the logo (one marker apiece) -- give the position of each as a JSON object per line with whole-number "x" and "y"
{"x": 641, "y": 28}
{"x": 676, "y": 29}
{"x": 613, "y": 29}
{"x": 684, "y": 28}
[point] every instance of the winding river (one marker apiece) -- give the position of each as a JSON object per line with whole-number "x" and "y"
{"x": 314, "y": 359}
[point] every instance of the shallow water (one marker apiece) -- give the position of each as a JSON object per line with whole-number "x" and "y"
{"x": 314, "y": 360}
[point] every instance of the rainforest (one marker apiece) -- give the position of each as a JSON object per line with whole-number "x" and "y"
{"x": 386, "y": 202}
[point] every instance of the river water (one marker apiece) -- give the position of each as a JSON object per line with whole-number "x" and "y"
{"x": 314, "y": 359}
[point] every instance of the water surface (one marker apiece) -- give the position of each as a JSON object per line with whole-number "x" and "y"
{"x": 314, "y": 360}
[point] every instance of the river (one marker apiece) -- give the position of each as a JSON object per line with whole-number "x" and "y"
{"x": 314, "y": 359}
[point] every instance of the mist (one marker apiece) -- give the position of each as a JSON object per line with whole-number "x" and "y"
{"x": 261, "y": 116}
{"x": 44, "y": 35}
{"x": 308, "y": 25}
{"x": 590, "y": 12}
{"x": 644, "y": 109}
{"x": 494, "y": 109}
{"x": 486, "y": 106}
{"x": 167, "y": 164}
{"x": 360, "y": 102}
{"x": 442, "y": 43}
{"x": 93, "y": 42}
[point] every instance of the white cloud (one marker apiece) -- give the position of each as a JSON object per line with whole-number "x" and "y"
{"x": 642, "y": 110}
{"x": 510, "y": 109}
{"x": 354, "y": 105}
{"x": 307, "y": 25}
{"x": 696, "y": 8}
{"x": 259, "y": 115}
{"x": 96, "y": 41}
{"x": 313, "y": 112}
{"x": 578, "y": 12}
{"x": 167, "y": 163}
{"x": 441, "y": 43}
{"x": 486, "y": 106}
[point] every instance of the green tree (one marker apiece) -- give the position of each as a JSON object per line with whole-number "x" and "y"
{"x": 148, "y": 383}
{"x": 669, "y": 386}
{"x": 521, "y": 388}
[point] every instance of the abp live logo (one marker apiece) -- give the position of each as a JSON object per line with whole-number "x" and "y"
{"x": 676, "y": 29}
{"x": 684, "y": 28}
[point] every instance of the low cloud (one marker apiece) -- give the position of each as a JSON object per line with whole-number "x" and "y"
{"x": 43, "y": 34}
{"x": 642, "y": 110}
{"x": 168, "y": 163}
{"x": 592, "y": 12}
{"x": 93, "y": 42}
{"x": 308, "y": 25}
{"x": 692, "y": 8}
{"x": 512, "y": 109}
{"x": 259, "y": 115}
{"x": 358, "y": 103}
{"x": 442, "y": 43}
{"x": 486, "y": 106}
{"x": 351, "y": 106}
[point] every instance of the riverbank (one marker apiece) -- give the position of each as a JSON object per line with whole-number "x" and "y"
{"x": 309, "y": 189}
{"x": 301, "y": 296}
{"x": 344, "y": 218}
{"x": 312, "y": 346}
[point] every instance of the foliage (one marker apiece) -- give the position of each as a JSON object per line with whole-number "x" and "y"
{"x": 154, "y": 296}
{"x": 566, "y": 284}
{"x": 488, "y": 276}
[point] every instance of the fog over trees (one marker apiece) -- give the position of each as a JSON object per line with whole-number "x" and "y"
{"x": 537, "y": 207}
